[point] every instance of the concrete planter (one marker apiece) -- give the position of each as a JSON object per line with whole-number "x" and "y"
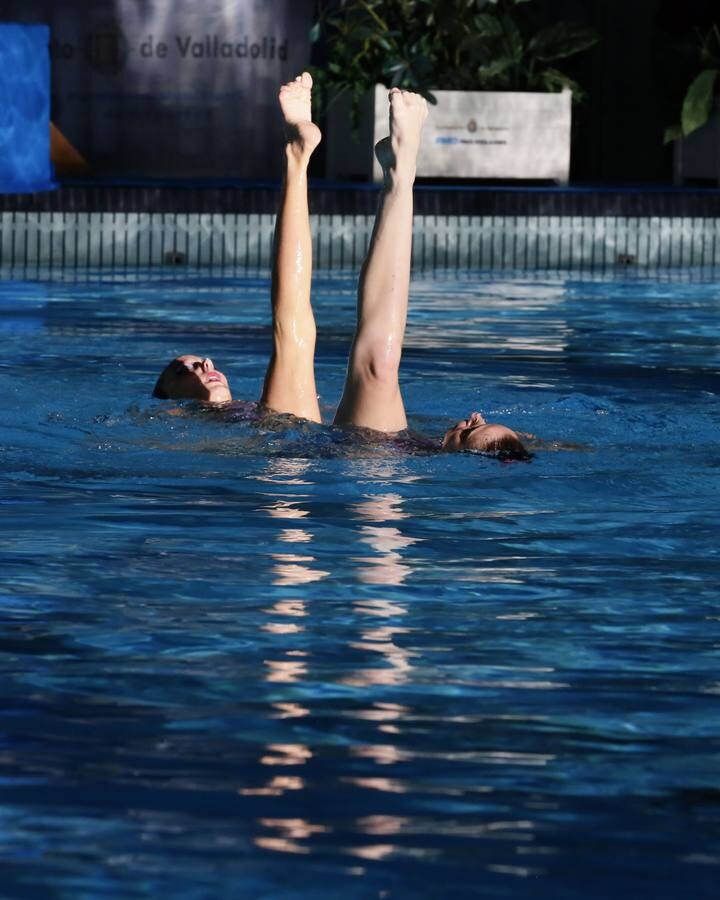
{"x": 469, "y": 134}
{"x": 697, "y": 157}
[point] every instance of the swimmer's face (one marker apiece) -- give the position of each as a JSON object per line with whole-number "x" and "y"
{"x": 192, "y": 378}
{"x": 474, "y": 433}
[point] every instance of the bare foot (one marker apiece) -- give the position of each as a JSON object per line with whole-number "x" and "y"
{"x": 397, "y": 154}
{"x": 296, "y": 106}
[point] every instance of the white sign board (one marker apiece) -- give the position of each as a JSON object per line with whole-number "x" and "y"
{"x": 497, "y": 135}
{"x": 488, "y": 134}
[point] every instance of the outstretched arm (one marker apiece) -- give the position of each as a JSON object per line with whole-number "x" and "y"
{"x": 371, "y": 397}
{"x": 290, "y": 378}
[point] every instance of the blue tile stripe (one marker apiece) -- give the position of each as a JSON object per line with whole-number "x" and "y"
{"x": 133, "y": 240}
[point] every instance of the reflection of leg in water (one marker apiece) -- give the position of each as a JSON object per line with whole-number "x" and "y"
{"x": 388, "y": 565}
{"x": 290, "y": 378}
{"x": 372, "y": 397}
{"x": 292, "y": 547}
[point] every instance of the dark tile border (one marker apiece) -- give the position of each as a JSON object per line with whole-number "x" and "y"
{"x": 352, "y": 199}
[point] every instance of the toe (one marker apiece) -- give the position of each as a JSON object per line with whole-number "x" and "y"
{"x": 306, "y": 80}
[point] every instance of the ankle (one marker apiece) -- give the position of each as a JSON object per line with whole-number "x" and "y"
{"x": 399, "y": 178}
{"x": 297, "y": 154}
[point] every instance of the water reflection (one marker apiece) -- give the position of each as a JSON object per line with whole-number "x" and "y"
{"x": 379, "y": 736}
{"x": 385, "y": 785}
{"x": 289, "y": 710}
{"x": 528, "y": 317}
{"x": 280, "y": 755}
{"x": 388, "y": 566}
{"x": 286, "y": 755}
{"x": 290, "y": 832}
{"x": 285, "y": 671}
{"x": 393, "y": 665}
{"x": 295, "y": 565}
{"x": 275, "y": 787}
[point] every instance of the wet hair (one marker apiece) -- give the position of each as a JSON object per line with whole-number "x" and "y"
{"x": 521, "y": 455}
{"x": 507, "y": 448}
{"x": 159, "y": 391}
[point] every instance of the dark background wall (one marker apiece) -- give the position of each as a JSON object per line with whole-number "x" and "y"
{"x": 636, "y": 79}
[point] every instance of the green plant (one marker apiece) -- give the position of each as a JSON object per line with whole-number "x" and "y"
{"x": 698, "y": 101}
{"x": 443, "y": 44}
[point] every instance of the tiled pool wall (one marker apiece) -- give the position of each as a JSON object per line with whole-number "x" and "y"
{"x": 138, "y": 240}
{"x": 532, "y": 230}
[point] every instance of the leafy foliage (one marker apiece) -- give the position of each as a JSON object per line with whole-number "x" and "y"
{"x": 423, "y": 45}
{"x": 700, "y": 95}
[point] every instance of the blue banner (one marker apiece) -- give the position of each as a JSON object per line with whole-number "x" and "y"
{"x": 24, "y": 109}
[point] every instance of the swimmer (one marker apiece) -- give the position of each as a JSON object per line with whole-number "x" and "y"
{"x": 289, "y": 385}
{"x": 371, "y": 398}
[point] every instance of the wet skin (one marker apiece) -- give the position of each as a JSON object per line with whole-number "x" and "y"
{"x": 474, "y": 433}
{"x": 195, "y": 378}
{"x": 368, "y": 401}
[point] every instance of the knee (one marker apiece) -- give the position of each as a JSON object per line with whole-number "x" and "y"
{"x": 377, "y": 363}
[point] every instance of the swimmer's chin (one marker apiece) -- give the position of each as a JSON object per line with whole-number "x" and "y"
{"x": 218, "y": 395}
{"x": 217, "y": 403}
{"x": 197, "y": 403}
{"x": 186, "y": 405}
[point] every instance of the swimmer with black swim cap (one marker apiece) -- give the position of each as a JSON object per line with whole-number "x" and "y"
{"x": 194, "y": 378}
{"x": 371, "y": 398}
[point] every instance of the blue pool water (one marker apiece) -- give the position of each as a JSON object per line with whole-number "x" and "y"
{"x": 242, "y": 661}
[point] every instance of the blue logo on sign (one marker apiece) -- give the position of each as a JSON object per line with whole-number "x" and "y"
{"x": 446, "y": 140}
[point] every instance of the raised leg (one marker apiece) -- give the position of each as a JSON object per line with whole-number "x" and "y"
{"x": 372, "y": 397}
{"x": 290, "y": 378}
